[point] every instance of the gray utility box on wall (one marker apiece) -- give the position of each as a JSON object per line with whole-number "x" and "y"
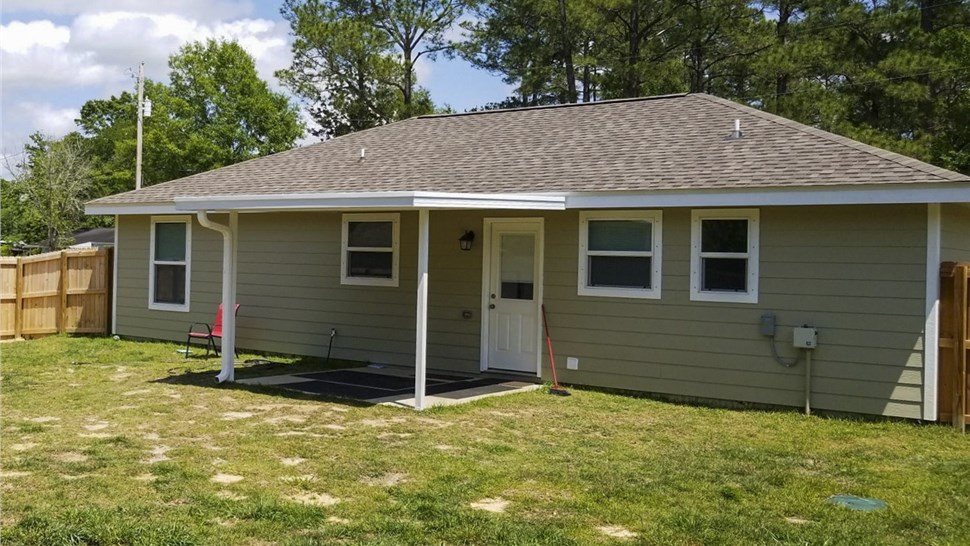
{"x": 805, "y": 338}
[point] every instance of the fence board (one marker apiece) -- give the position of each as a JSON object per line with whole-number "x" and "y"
{"x": 9, "y": 297}
{"x": 67, "y": 291}
{"x": 954, "y": 349}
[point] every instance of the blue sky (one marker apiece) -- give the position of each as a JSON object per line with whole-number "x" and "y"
{"x": 57, "y": 54}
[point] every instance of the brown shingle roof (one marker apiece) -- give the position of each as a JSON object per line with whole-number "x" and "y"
{"x": 672, "y": 142}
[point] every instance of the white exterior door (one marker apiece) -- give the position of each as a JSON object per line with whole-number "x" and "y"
{"x": 513, "y": 292}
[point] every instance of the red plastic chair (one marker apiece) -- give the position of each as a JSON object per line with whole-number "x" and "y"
{"x": 210, "y": 335}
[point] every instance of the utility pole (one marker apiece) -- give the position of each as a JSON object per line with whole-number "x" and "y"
{"x": 141, "y": 111}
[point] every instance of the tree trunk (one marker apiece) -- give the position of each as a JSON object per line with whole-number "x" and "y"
{"x": 632, "y": 83}
{"x": 781, "y": 35}
{"x": 408, "y": 80}
{"x": 567, "y": 54}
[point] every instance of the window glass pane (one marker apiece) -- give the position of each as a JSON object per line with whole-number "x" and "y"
{"x": 370, "y": 234}
{"x": 724, "y": 274}
{"x": 517, "y": 290}
{"x": 170, "y": 242}
{"x": 628, "y": 235}
{"x": 170, "y": 284}
{"x": 517, "y": 265}
{"x": 620, "y": 271}
{"x": 370, "y": 264}
{"x": 724, "y": 235}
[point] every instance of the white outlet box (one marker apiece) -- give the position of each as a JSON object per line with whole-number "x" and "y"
{"x": 572, "y": 363}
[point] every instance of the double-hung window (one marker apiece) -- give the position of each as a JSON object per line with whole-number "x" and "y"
{"x": 369, "y": 249}
{"x": 724, "y": 255}
{"x": 169, "y": 270}
{"x": 620, "y": 253}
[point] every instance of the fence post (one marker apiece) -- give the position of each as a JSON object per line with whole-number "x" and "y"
{"x": 62, "y": 315}
{"x": 960, "y": 347}
{"x": 18, "y": 315}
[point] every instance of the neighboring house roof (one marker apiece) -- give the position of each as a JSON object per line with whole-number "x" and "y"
{"x": 95, "y": 236}
{"x": 675, "y": 142}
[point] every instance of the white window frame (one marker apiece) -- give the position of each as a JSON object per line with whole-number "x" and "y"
{"x": 395, "y": 219}
{"x": 161, "y": 306}
{"x": 752, "y": 255}
{"x": 655, "y": 217}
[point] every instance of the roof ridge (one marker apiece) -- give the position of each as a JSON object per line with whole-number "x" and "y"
{"x": 552, "y": 106}
{"x": 899, "y": 159}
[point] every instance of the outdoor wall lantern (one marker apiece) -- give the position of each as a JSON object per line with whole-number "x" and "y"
{"x": 465, "y": 241}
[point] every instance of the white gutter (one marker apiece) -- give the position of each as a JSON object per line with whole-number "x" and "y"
{"x": 831, "y": 195}
{"x": 228, "y": 291}
{"x": 372, "y": 200}
{"x": 405, "y": 200}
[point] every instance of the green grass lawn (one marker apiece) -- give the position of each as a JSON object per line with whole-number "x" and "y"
{"x": 115, "y": 442}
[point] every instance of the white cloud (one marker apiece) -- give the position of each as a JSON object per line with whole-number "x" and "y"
{"x": 200, "y": 9}
{"x": 19, "y": 38}
{"x": 51, "y": 121}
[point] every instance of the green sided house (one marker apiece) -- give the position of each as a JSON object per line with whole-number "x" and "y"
{"x": 667, "y": 237}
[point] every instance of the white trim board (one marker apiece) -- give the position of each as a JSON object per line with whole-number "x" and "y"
{"x": 836, "y": 195}
{"x": 931, "y": 330}
{"x": 487, "y": 224}
{"x": 114, "y": 281}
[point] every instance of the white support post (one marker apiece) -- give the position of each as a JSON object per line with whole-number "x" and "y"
{"x": 931, "y": 329}
{"x": 421, "y": 337}
{"x": 228, "y": 372}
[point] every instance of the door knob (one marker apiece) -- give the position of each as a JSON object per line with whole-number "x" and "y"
{"x": 491, "y": 306}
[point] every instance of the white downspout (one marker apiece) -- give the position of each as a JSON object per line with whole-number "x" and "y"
{"x": 228, "y": 291}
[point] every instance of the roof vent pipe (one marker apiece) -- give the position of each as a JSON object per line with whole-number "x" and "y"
{"x": 362, "y": 151}
{"x": 737, "y": 129}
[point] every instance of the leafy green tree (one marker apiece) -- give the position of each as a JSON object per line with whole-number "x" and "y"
{"x": 535, "y": 45}
{"x": 637, "y": 47}
{"x": 54, "y": 181}
{"x": 216, "y": 112}
{"x": 354, "y": 60}
{"x": 231, "y": 114}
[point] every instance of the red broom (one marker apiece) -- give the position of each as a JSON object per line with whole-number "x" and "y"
{"x": 556, "y": 389}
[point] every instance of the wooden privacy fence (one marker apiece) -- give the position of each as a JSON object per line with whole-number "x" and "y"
{"x": 954, "y": 344}
{"x": 56, "y": 292}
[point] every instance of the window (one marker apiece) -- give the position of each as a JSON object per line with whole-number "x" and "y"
{"x": 369, "y": 249}
{"x": 169, "y": 271}
{"x": 724, "y": 255}
{"x": 620, "y": 254}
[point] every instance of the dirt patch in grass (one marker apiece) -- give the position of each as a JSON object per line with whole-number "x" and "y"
{"x": 226, "y": 478}
{"x": 390, "y": 479}
{"x": 616, "y": 531}
{"x": 314, "y": 499}
{"x": 496, "y": 505}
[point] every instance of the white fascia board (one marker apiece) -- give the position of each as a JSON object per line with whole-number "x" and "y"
{"x": 132, "y": 208}
{"x": 492, "y": 201}
{"x": 372, "y": 200}
{"x": 837, "y": 195}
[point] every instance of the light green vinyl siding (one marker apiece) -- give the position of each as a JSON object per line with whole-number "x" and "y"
{"x": 290, "y": 296}
{"x": 855, "y": 273}
{"x": 955, "y": 243}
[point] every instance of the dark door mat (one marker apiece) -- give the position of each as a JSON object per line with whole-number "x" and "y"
{"x": 357, "y": 392}
{"x": 446, "y": 377}
{"x": 363, "y": 379}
